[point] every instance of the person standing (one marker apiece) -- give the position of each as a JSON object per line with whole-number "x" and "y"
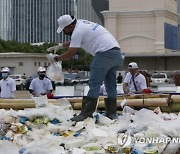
{"x": 119, "y": 78}
{"x": 107, "y": 59}
{"x": 134, "y": 81}
{"x": 7, "y": 84}
{"x": 41, "y": 85}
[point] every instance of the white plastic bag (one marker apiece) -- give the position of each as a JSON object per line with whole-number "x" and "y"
{"x": 50, "y": 57}
{"x": 7, "y": 147}
{"x": 129, "y": 110}
{"x": 54, "y": 72}
{"x": 123, "y": 103}
{"x": 41, "y": 101}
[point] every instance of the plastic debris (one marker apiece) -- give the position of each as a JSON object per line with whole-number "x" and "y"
{"x": 53, "y": 132}
{"x": 41, "y": 101}
{"x": 23, "y": 120}
{"x": 4, "y": 138}
{"x": 41, "y": 120}
{"x": 3, "y": 127}
{"x": 55, "y": 121}
{"x": 112, "y": 148}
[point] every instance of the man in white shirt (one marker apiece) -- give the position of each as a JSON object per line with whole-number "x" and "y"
{"x": 7, "y": 84}
{"x": 107, "y": 59}
{"x": 41, "y": 85}
{"x": 134, "y": 81}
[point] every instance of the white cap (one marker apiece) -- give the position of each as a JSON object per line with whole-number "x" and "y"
{"x": 41, "y": 69}
{"x": 5, "y": 69}
{"x": 132, "y": 65}
{"x": 64, "y": 21}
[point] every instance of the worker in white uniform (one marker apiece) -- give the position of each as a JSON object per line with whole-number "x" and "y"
{"x": 134, "y": 81}
{"x": 7, "y": 84}
{"x": 41, "y": 85}
{"x": 107, "y": 59}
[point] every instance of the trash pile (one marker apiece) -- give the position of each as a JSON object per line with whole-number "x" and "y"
{"x": 49, "y": 130}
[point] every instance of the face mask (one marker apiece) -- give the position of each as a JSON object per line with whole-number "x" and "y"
{"x": 4, "y": 75}
{"x": 41, "y": 76}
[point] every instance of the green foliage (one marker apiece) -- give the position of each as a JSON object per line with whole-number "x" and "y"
{"x": 82, "y": 63}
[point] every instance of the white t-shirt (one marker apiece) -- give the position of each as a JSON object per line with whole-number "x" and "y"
{"x": 92, "y": 37}
{"x": 40, "y": 86}
{"x": 8, "y": 87}
{"x": 140, "y": 82}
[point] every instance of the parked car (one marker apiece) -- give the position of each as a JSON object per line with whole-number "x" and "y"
{"x": 20, "y": 80}
{"x": 161, "y": 78}
{"x": 29, "y": 79}
{"x": 75, "y": 78}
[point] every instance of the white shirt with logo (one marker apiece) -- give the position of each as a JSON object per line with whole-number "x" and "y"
{"x": 140, "y": 82}
{"x": 92, "y": 37}
{"x": 8, "y": 87}
{"x": 40, "y": 86}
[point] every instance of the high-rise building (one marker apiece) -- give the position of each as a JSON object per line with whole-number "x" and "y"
{"x": 36, "y": 20}
{"x": 91, "y": 10}
{"x": 5, "y": 19}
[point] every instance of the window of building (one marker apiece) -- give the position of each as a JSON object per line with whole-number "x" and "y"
{"x": 35, "y": 63}
{"x": 170, "y": 36}
{"x": 39, "y": 63}
{"x": 20, "y": 63}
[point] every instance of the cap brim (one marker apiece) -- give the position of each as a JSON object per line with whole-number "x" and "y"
{"x": 59, "y": 30}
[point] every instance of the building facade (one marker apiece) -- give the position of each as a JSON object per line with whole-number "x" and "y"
{"x": 148, "y": 27}
{"x": 146, "y": 30}
{"x": 23, "y": 63}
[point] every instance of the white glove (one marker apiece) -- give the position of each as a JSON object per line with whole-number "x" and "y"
{"x": 50, "y": 57}
{"x": 55, "y": 48}
{"x": 13, "y": 95}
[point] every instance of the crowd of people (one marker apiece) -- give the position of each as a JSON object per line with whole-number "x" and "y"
{"x": 134, "y": 82}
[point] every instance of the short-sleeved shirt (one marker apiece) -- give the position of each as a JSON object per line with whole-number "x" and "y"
{"x": 40, "y": 86}
{"x": 8, "y": 87}
{"x": 140, "y": 82}
{"x": 92, "y": 37}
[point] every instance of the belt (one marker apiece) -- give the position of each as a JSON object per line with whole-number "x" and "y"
{"x": 114, "y": 48}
